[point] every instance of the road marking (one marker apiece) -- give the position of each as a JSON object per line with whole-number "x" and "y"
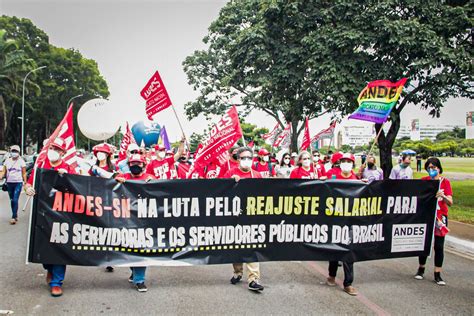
{"x": 362, "y": 298}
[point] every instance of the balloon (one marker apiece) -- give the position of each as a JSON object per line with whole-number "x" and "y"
{"x": 148, "y": 132}
{"x": 97, "y": 119}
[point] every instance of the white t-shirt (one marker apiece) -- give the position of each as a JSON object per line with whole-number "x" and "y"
{"x": 14, "y": 174}
{"x": 401, "y": 173}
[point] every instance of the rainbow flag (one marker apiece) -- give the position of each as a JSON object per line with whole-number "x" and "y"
{"x": 377, "y": 100}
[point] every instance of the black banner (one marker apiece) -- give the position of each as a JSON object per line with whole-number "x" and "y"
{"x": 92, "y": 221}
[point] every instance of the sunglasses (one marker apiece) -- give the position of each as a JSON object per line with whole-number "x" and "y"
{"x": 135, "y": 152}
{"x": 245, "y": 158}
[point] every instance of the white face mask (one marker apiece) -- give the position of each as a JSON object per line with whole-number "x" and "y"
{"x": 315, "y": 158}
{"x": 101, "y": 156}
{"x": 246, "y": 164}
{"x": 306, "y": 163}
{"x": 53, "y": 155}
{"x": 265, "y": 158}
{"x": 286, "y": 160}
{"x": 15, "y": 155}
{"x": 161, "y": 154}
{"x": 346, "y": 166}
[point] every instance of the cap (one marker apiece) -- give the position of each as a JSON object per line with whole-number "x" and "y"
{"x": 104, "y": 147}
{"x": 263, "y": 152}
{"x": 59, "y": 143}
{"x": 293, "y": 154}
{"x": 160, "y": 147}
{"x": 137, "y": 158}
{"x": 348, "y": 156}
{"x": 336, "y": 157}
{"x": 133, "y": 147}
{"x": 15, "y": 147}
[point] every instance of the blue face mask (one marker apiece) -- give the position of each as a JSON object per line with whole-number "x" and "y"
{"x": 403, "y": 165}
{"x": 433, "y": 173}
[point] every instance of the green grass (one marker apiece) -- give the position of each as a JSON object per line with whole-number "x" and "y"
{"x": 449, "y": 164}
{"x": 463, "y": 197}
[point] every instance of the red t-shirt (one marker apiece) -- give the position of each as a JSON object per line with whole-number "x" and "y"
{"x": 183, "y": 170}
{"x": 162, "y": 169}
{"x": 446, "y": 186}
{"x": 301, "y": 173}
{"x": 333, "y": 171}
{"x": 213, "y": 171}
{"x": 143, "y": 177}
{"x": 228, "y": 166}
{"x": 352, "y": 176}
{"x": 320, "y": 167}
{"x": 237, "y": 172}
{"x": 264, "y": 169}
{"x": 47, "y": 165}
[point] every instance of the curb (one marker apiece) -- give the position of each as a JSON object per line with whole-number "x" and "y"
{"x": 459, "y": 246}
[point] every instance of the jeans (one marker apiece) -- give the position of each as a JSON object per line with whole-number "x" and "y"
{"x": 58, "y": 271}
{"x": 138, "y": 274}
{"x": 348, "y": 271}
{"x": 14, "y": 190}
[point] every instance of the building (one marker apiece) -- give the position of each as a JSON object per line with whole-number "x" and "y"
{"x": 426, "y": 131}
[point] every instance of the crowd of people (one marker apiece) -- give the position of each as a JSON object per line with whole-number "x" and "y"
{"x": 159, "y": 163}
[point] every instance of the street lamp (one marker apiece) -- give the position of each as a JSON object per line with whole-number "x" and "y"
{"x": 70, "y": 100}
{"x": 23, "y": 109}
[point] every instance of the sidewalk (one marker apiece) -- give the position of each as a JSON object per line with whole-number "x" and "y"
{"x": 461, "y": 238}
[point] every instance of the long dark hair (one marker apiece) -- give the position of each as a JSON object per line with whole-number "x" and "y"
{"x": 282, "y": 161}
{"x": 108, "y": 160}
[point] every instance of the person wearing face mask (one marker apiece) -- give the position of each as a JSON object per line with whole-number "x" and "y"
{"x": 53, "y": 161}
{"x": 163, "y": 167}
{"x": 264, "y": 166}
{"x": 370, "y": 171}
{"x": 319, "y": 164}
{"x": 294, "y": 159}
{"x": 403, "y": 170}
{"x": 445, "y": 199}
{"x": 335, "y": 169}
{"x": 245, "y": 171}
{"x": 304, "y": 169}
{"x": 14, "y": 169}
{"x": 132, "y": 149}
{"x": 137, "y": 164}
{"x": 285, "y": 168}
{"x": 232, "y": 162}
{"x": 346, "y": 162}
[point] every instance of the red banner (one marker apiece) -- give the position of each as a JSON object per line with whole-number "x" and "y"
{"x": 126, "y": 140}
{"x": 328, "y": 132}
{"x": 222, "y": 137}
{"x": 306, "y": 138}
{"x": 283, "y": 140}
{"x": 156, "y": 96}
{"x": 66, "y": 132}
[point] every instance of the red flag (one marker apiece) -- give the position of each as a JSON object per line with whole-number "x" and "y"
{"x": 284, "y": 138}
{"x": 66, "y": 132}
{"x": 306, "y": 138}
{"x": 222, "y": 136}
{"x": 328, "y": 132}
{"x": 126, "y": 140}
{"x": 156, "y": 96}
{"x": 251, "y": 144}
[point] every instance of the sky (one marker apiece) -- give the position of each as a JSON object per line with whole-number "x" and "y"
{"x": 132, "y": 39}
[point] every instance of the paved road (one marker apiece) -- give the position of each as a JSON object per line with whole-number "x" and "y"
{"x": 386, "y": 287}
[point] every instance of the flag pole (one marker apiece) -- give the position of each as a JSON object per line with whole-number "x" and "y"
{"x": 375, "y": 140}
{"x": 181, "y": 127}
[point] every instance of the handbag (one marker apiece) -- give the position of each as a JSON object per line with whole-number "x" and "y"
{"x": 4, "y": 186}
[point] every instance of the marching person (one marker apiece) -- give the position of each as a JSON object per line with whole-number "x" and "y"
{"x": 402, "y": 171}
{"x": 132, "y": 149}
{"x": 319, "y": 164}
{"x": 370, "y": 171}
{"x": 335, "y": 169}
{"x": 445, "y": 199}
{"x": 304, "y": 169}
{"x": 232, "y": 162}
{"x": 137, "y": 165}
{"x": 245, "y": 171}
{"x": 54, "y": 161}
{"x": 14, "y": 169}
{"x": 163, "y": 167}
{"x": 285, "y": 168}
{"x": 294, "y": 158}
{"x": 347, "y": 162}
{"x": 103, "y": 168}
{"x": 264, "y": 165}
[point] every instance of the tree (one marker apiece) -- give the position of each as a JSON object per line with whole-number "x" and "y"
{"x": 294, "y": 59}
{"x": 253, "y": 133}
{"x": 67, "y": 74}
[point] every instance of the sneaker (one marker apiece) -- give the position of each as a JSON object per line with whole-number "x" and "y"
{"x": 109, "y": 269}
{"x": 12, "y": 221}
{"x": 350, "y": 290}
{"x": 130, "y": 278}
{"x": 331, "y": 281}
{"x": 56, "y": 291}
{"x": 254, "y": 286}
{"x": 419, "y": 274}
{"x": 141, "y": 287}
{"x": 49, "y": 276}
{"x": 236, "y": 279}
{"x": 439, "y": 280}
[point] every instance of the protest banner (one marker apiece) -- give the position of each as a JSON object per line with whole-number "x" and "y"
{"x": 126, "y": 140}
{"x": 92, "y": 221}
{"x": 306, "y": 138}
{"x": 156, "y": 96}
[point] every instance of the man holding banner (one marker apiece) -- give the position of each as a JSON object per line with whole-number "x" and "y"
{"x": 162, "y": 167}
